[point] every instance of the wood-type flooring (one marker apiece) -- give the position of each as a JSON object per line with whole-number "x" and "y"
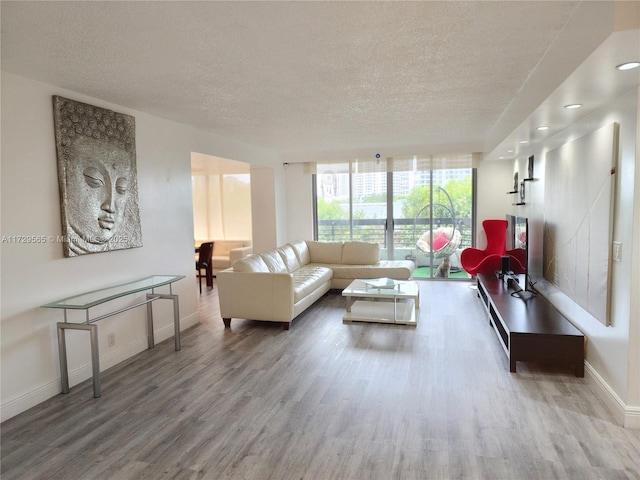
{"x": 326, "y": 400}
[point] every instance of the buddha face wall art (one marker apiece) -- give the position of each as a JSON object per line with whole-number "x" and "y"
{"x": 96, "y": 153}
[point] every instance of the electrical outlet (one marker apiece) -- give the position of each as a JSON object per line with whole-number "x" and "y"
{"x": 111, "y": 340}
{"x": 617, "y": 251}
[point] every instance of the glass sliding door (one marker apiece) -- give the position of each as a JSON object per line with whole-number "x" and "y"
{"x": 369, "y": 194}
{"x": 432, "y": 215}
{"x": 417, "y": 208}
{"x": 410, "y": 194}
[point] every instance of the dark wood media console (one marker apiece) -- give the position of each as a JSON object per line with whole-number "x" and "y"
{"x": 531, "y": 329}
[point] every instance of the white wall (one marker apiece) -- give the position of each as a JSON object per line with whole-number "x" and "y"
{"x": 34, "y": 274}
{"x": 263, "y": 208}
{"x": 633, "y": 395}
{"x": 299, "y": 202}
{"x": 280, "y": 199}
{"x": 611, "y": 352}
{"x": 494, "y": 180}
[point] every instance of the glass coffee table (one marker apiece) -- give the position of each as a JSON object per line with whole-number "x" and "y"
{"x": 382, "y": 300}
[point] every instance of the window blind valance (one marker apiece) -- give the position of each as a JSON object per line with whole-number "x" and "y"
{"x": 400, "y": 164}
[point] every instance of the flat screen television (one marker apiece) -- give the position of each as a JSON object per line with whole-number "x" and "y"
{"x": 517, "y": 245}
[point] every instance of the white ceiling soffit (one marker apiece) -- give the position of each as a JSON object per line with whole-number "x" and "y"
{"x": 314, "y": 80}
{"x": 208, "y": 165}
{"x": 593, "y": 84}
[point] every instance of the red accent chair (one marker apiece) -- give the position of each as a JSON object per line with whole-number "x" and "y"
{"x": 474, "y": 260}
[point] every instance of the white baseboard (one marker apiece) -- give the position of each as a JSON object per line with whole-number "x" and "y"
{"x": 52, "y": 388}
{"x": 627, "y": 416}
{"x": 632, "y": 417}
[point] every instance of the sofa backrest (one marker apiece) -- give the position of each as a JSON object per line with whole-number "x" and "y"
{"x": 302, "y": 251}
{"x": 274, "y": 261}
{"x": 289, "y": 257}
{"x": 325, "y": 252}
{"x": 360, "y": 253}
{"x": 250, "y": 263}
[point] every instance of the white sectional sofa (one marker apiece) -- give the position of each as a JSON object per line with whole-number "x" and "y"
{"x": 279, "y": 284}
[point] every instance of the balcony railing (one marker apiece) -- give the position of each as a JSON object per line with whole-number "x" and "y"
{"x": 405, "y": 234}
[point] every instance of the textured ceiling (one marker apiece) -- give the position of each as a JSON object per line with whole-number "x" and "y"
{"x": 313, "y": 78}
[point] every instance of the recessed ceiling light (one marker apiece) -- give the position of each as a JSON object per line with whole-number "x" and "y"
{"x": 573, "y": 105}
{"x": 509, "y": 151}
{"x": 523, "y": 142}
{"x": 500, "y": 158}
{"x": 543, "y": 127}
{"x": 628, "y": 66}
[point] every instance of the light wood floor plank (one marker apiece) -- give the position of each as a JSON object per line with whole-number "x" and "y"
{"x": 327, "y": 400}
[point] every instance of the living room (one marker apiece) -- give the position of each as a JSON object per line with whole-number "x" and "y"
{"x": 282, "y": 209}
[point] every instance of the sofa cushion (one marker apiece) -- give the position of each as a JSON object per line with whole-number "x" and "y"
{"x": 308, "y": 279}
{"x": 289, "y": 257}
{"x": 325, "y": 252}
{"x": 219, "y": 262}
{"x": 360, "y": 253}
{"x": 397, "y": 269}
{"x": 251, "y": 263}
{"x": 274, "y": 261}
{"x": 221, "y": 248}
{"x": 302, "y": 251}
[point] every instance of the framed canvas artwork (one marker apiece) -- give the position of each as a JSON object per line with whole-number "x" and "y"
{"x": 97, "y": 178}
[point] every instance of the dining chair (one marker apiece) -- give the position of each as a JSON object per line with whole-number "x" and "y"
{"x": 205, "y": 253}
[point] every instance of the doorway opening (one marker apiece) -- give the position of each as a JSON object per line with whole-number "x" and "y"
{"x": 221, "y": 190}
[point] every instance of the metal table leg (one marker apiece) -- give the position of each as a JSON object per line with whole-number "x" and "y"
{"x": 176, "y": 318}
{"x": 95, "y": 355}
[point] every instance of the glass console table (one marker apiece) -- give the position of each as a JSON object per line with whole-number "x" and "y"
{"x": 85, "y": 301}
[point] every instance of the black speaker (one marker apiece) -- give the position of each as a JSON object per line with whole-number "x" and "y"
{"x": 504, "y": 265}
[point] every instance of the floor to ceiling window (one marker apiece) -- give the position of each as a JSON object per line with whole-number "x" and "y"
{"x": 221, "y": 190}
{"x": 417, "y": 208}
